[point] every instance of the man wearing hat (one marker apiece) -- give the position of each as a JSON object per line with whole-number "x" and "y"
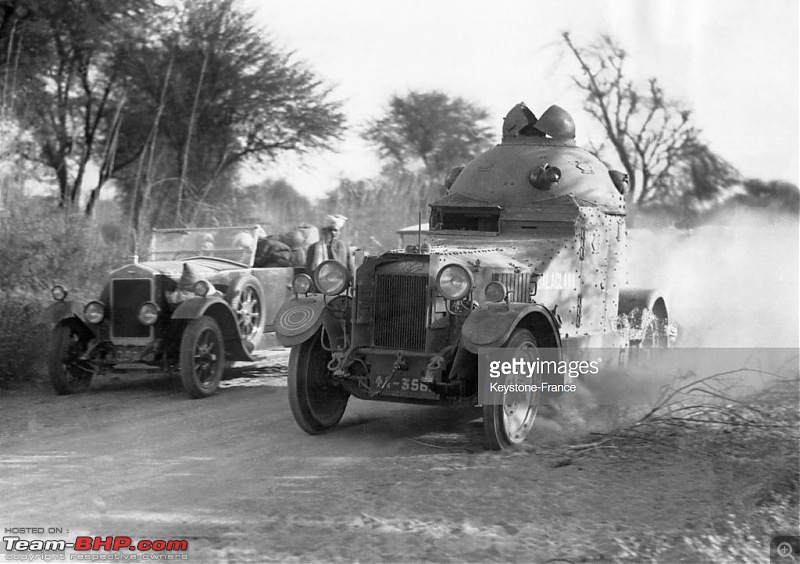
{"x": 330, "y": 247}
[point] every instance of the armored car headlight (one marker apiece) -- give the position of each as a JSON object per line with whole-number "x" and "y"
{"x": 495, "y": 292}
{"x": 148, "y": 313}
{"x": 59, "y": 293}
{"x": 454, "y": 282}
{"x": 331, "y": 278}
{"x": 94, "y": 312}
{"x": 301, "y": 284}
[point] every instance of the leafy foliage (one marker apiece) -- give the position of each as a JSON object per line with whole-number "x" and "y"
{"x": 224, "y": 94}
{"x": 273, "y": 203}
{"x": 168, "y": 98}
{"x": 429, "y": 132}
{"x": 772, "y": 195}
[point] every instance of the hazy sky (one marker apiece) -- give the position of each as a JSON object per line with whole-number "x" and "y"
{"x": 734, "y": 62}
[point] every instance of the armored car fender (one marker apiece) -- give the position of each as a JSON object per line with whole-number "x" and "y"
{"x": 489, "y": 326}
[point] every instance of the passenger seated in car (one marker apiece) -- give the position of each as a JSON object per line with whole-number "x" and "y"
{"x": 243, "y": 243}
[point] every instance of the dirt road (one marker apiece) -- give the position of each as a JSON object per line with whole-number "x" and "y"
{"x": 235, "y": 476}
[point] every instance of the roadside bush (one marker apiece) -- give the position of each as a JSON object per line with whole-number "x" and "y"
{"x": 38, "y": 249}
{"x": 22, "y": 341}
{"x": 45, "y": 247}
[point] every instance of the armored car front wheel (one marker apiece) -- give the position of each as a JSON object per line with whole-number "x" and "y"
{"x": 202, "y": 357}
{"x": 508, "y": 422}
{"x": 68, "y": 373}
{"x": 316, "y": 402}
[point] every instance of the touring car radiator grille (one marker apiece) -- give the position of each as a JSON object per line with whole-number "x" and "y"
{"x": 518, "y": 285}
{"x": 400, "y": 311}
{"x": 127, "y": 296}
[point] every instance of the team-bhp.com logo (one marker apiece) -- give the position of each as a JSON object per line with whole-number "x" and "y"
{"x": 90, "y": 545}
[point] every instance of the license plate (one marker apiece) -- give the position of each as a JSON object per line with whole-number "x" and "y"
{"x": 404, "y": 386}
{"x": 127, "y": 355}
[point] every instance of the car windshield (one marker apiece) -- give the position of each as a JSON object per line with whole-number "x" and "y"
{"x": 232, "y": 243}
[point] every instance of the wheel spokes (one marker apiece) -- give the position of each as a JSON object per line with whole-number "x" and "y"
{"x": 516, "y": 413}
{"x": 520, "y": 410}
{"x": 248, "y": 312}
{"x": 206, "y": 356}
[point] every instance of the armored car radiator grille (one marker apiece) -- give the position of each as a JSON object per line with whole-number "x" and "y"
{"x": 518, "y": 285}
{"x": 127, "y": 296}
{"x": 400, "y": 311}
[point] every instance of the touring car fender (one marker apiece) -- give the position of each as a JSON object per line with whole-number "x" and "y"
{"x": 298, "y": 319}
{"x": 221, "y": 312}
{"x": 490, "y": 326}
{"x": 197, "y": 307}
{"x": 58, "y": 311}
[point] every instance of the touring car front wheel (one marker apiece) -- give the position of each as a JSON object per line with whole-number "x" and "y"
{"x": 316, "y": 402}
{"x": 68, "y": 373}
{"x": 202, "y": 357}
{"x": 508, "y": 421}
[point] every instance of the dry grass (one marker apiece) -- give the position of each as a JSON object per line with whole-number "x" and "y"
{"x": 750, "y": 441}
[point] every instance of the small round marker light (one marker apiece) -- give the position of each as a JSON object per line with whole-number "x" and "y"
{"x": 495, "y": 292}
{"x": 302, "y": 284}
{"x": 59, "y": 293}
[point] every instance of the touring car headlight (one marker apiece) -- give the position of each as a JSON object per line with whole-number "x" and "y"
{"x": 59, "y": 293}
{"x": 301, "y": 284}
{"x": 202, "y": 288}
{"x": 331, "y": 278}
{"x": 148, "y": 313}
{"x": 454, "y": 282}
{"x": 94, "y": 312}
{"x": 495, "y": 292}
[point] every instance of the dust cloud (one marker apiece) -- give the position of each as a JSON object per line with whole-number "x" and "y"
{"x": 730, "y": 283}
{"x": 732, "y": 289}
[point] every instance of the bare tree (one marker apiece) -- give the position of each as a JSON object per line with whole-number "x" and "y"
{"x": 653, "y": 137}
